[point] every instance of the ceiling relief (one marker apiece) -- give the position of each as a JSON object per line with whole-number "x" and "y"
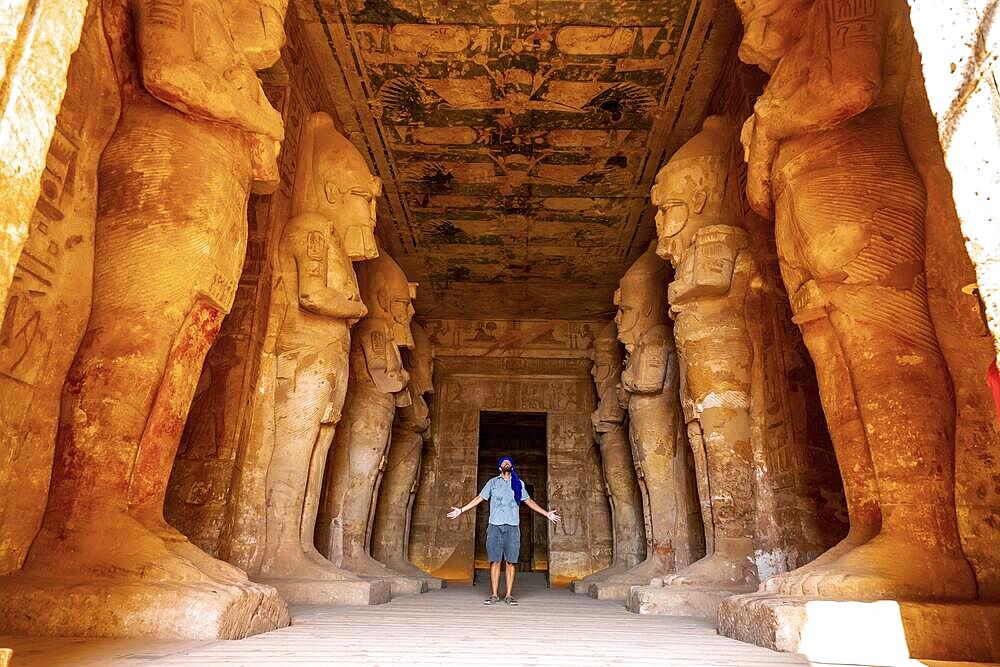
{"x": 518, "y": 140}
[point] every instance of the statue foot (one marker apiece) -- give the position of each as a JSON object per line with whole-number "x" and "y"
{"x": 295, "y": 563}
{"x": 892, "y": 567}
{"x": 178, "y": 543}
{"x": 717, "y": 571}
{"x": 366, "y": 566}
{"x": 602, "y": 575}
{"x": 790, "y": 583}
{"x": 112, "y": 545}
{"x": 645, "y": 571}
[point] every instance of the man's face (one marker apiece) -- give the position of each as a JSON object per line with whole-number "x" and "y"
{"x": 506, "y": 467}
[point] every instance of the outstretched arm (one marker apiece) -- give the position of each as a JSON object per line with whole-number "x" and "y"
{"x": 456, "y": 511}
{"x": 552, "y": 516}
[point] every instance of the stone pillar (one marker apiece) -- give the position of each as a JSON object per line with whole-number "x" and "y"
{"x": 314, "y": 302}
{"x": 650, "y": 384}
{"x": 410, "y": 429}
{"x": 849, "y": 210}
{"x": 195, "y": 135}
{"x": 697, "y": 226}
{"x": 377, "y": 386}
{"x": 611, "y": 432}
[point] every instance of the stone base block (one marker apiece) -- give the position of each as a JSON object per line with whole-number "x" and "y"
{"x": 401, "y": 585}
{"x": 319, "y": 591}
{"x": 610, "y": 590}
{"x": 32, "y": 605}
{"x": 580, "y": 587}
{"x": 678, "y": 600}
{"x": 869, "y": 633}
{"x": 433, "y": 583}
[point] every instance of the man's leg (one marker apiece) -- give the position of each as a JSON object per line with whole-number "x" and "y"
{"x": 495, "y": 576}
{"x": 510, "y": 578}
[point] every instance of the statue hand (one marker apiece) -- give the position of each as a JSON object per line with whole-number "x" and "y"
{"x": 759, "y": 150}
{"x": 454, "y": 513}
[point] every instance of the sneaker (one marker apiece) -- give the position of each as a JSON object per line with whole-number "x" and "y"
{"x": 511, "y": 602}
{"x": 491, "y": 599}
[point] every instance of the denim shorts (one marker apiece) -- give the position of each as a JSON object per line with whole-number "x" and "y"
{"x": 503, "y": 543}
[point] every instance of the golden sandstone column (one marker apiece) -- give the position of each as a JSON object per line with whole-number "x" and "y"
{"x": 195, "y": 135}
{"x": 828, "y": 163}
{"x": 377, "y": 387}
{"x": 650, "y": 382}
{"x": 611, "y": 433}
{"x": 314, "y": 303}
{"x": 410, "y": 429}
{"x": 696, "y": 223}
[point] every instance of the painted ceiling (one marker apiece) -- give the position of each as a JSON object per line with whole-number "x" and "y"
{"x": 517, "y": 140}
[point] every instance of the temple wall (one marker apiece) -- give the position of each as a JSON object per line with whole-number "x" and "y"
{"x": 49, "y": 299}
{"x": 531, "y": 366}
{"x": 217, "y": 449}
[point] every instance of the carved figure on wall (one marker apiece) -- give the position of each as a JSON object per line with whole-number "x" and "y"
{"x": 699, "y": 233}
{"x": 314, "y": 302}
{"x": 629, "y": 546}
{"x": 195, "y": 136}
{"x": 411, "y": 428}
{"x": 377, "y": 386}
{"x": 650, "y": 392}
{"x": 828, "y": 163}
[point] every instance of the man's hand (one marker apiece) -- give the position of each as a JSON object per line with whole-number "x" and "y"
{"x": 553, "y": 516}
{"x": 454, "y": 513}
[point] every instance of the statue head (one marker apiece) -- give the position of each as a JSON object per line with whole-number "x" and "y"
{"x": 641, "y": 297}
{"x": 334, "y": 181}
{"x": 606, "y": 371}
{"x": 421, "y": 361}
{"x": 693, "y": 190}
{"x": 258, "y": 29}
{"x": 770, "y": 28}
{"x": 388, "y": 296}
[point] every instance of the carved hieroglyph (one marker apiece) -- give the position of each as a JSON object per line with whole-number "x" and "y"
{"x": 827, "y": 161}
{"x": 36, "y": 42}
{"x": 314, "y": 302}
{"x": 195, "y": 134}
{"x": 411, "y": 428}
{"x": 650, "y": 384}
{"x": 611, "y": 432}
{"x": 377, "y": 386}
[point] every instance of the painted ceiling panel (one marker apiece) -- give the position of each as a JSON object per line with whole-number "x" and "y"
{"x": 518, "y": 139}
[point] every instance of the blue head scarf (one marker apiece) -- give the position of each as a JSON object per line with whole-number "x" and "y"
{"x": 515, "y": 481}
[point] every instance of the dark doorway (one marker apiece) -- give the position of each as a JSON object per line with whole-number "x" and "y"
{"x": 521, "y": 436}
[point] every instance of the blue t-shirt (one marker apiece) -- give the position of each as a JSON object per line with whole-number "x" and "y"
{"x": 503, "y": 508}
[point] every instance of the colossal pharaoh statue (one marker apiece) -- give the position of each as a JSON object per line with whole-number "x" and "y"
{"x": 195, "y": 136}
{"x": 411, "y": 428}
{"x": 314, "y": 302}
{"x": 698, "y": 230}
{"x": 650, "y": 385}
{"x": 629, "y": 546}
{"x": 377, "y": 386}
{"x": 827, "y": 161}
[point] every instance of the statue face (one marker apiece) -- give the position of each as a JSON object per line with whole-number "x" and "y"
{"x": 627, "y": 318}
{"x": 688, "y": 195}
{"x": 354, "y": 210}
{"x": 770, "y": 28}
{"x": 606, "y": 362}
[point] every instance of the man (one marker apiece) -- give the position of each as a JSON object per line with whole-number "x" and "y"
{"x": 503, "y": 534}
